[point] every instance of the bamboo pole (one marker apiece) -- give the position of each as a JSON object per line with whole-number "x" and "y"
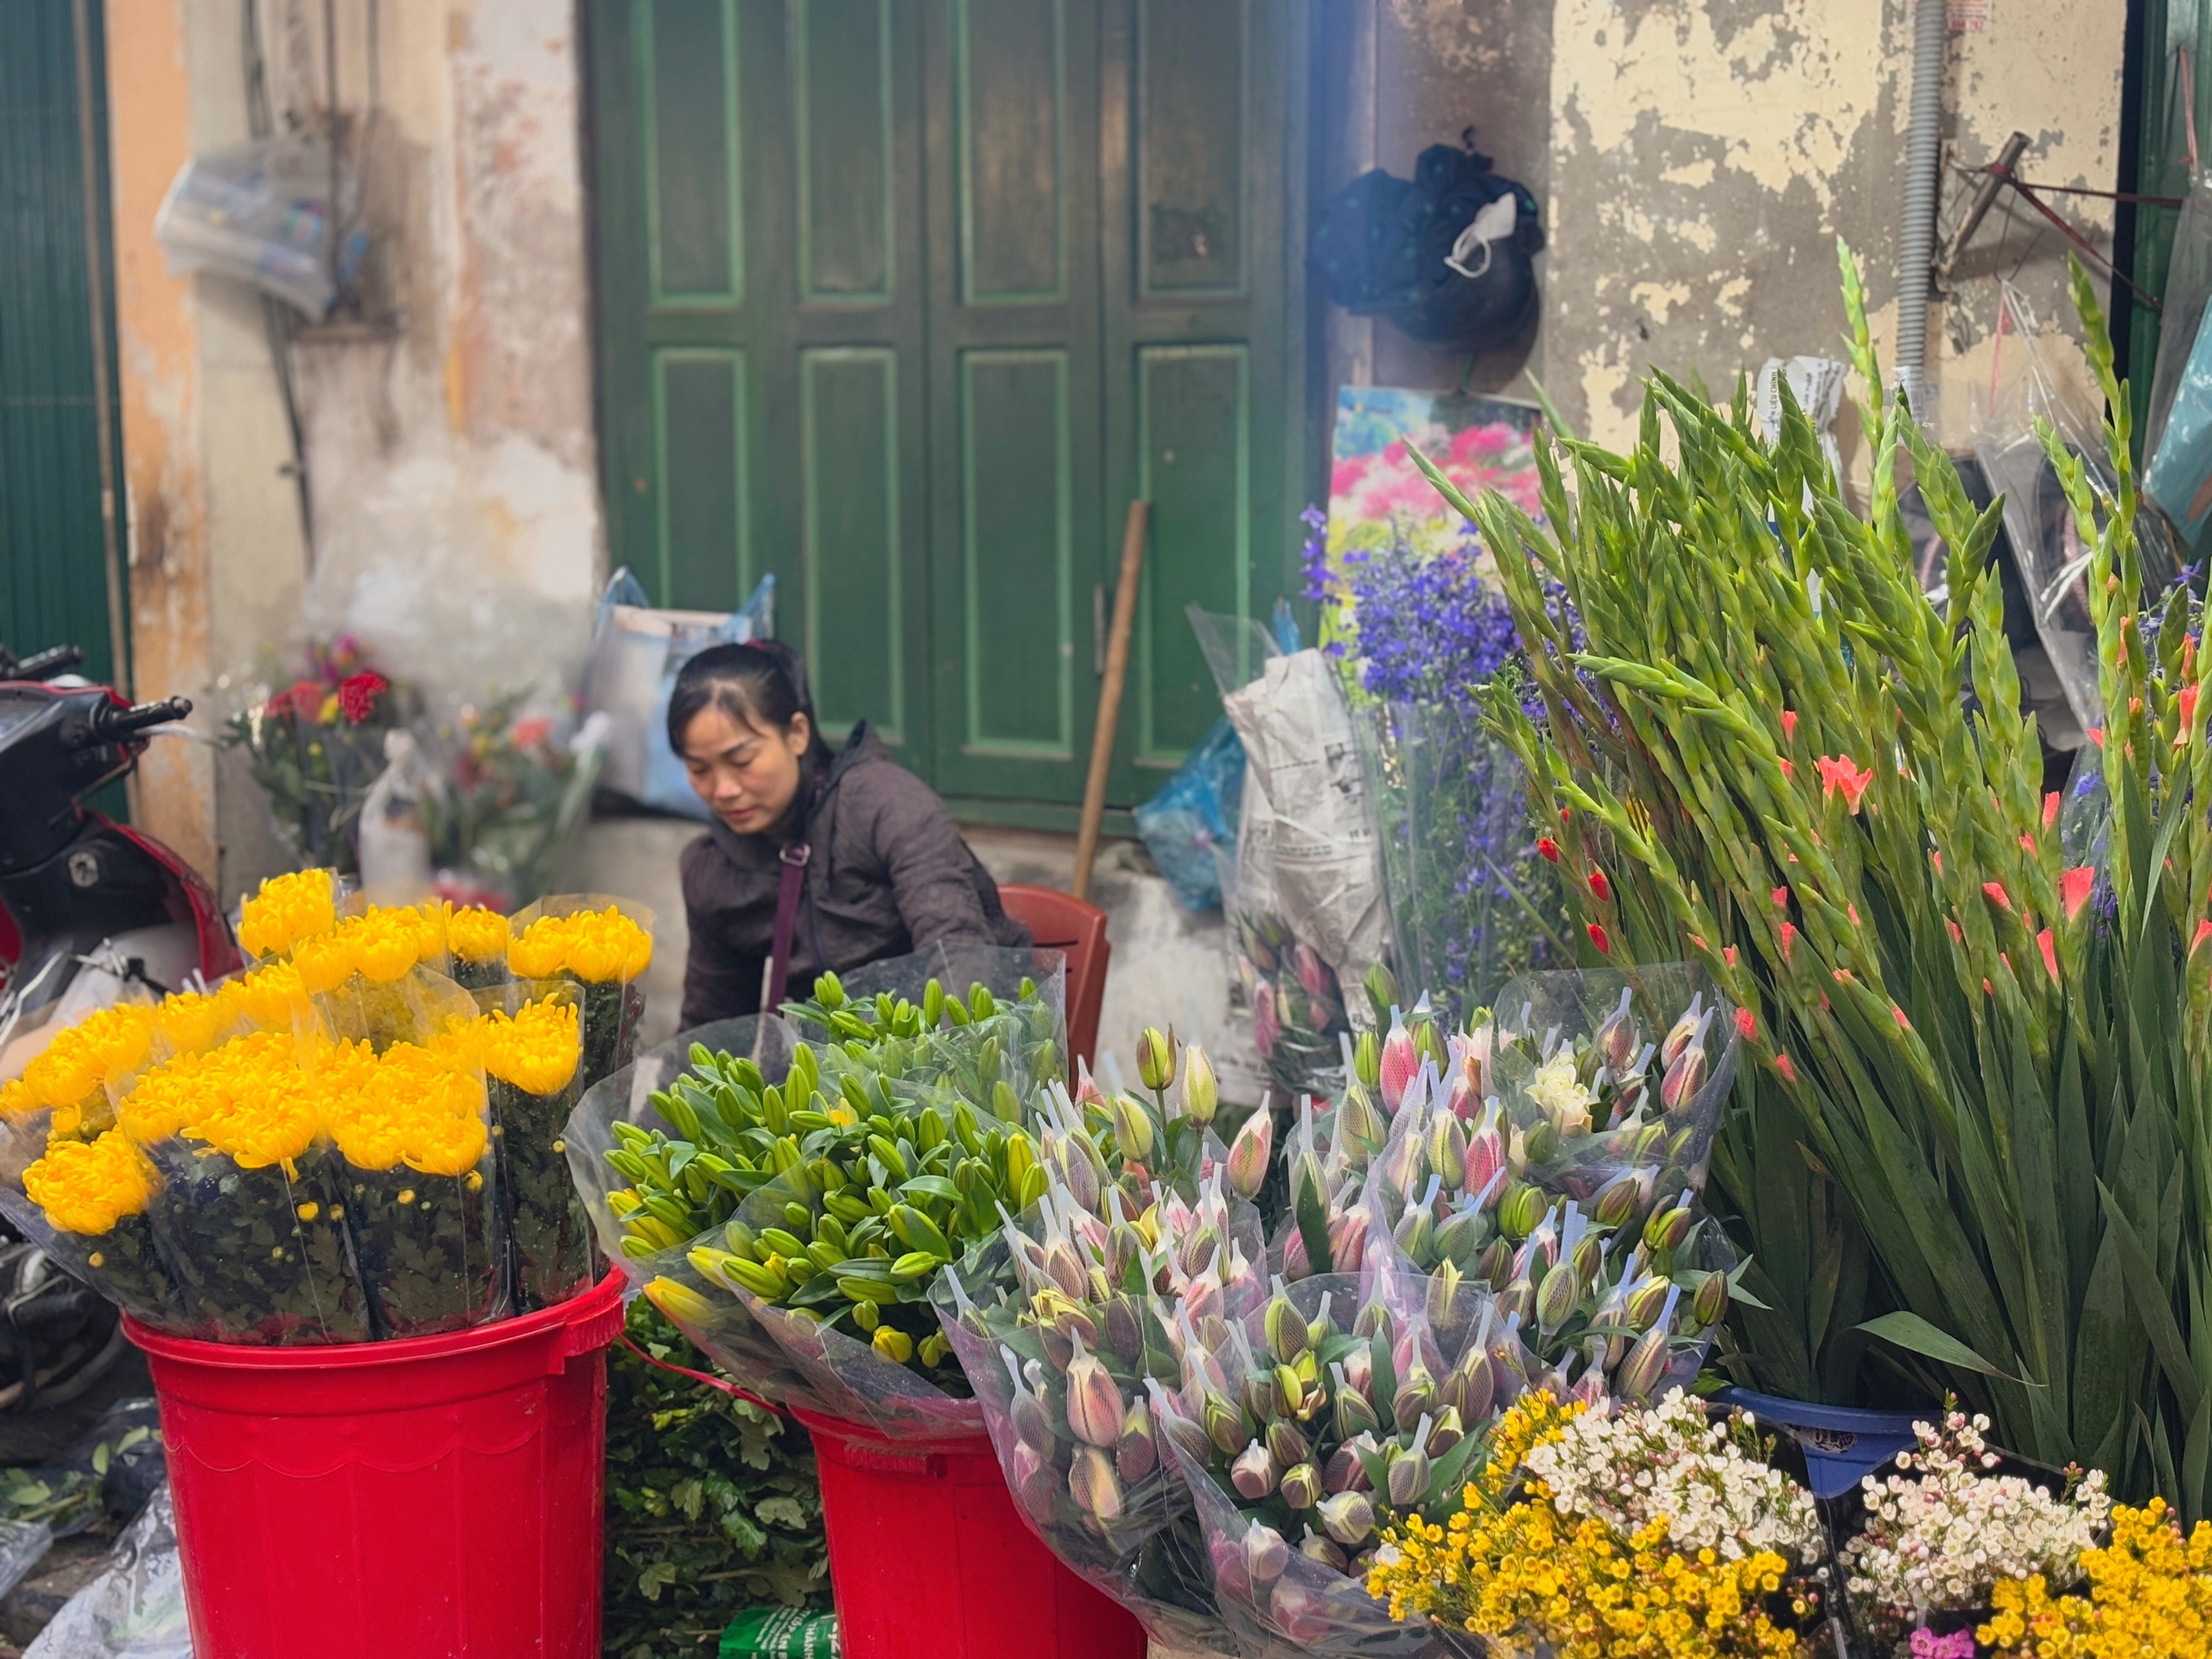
{"x": 1109, "y": 695}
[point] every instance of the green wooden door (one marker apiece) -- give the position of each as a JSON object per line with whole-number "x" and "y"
{"x": 903, "y": 300}
{"x": 54, "y": 547}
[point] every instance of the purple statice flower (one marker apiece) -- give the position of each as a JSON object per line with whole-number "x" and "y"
{"x": 1313, "y": 557}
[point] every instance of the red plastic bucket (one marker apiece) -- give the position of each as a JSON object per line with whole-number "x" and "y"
{"x": 928, "y": 1558}
{"x": 431, "y": 1498}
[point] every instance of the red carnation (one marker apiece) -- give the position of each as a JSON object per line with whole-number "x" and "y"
{"x": 357, "y": 697}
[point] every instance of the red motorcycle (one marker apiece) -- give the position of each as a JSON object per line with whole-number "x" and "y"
{"x": 89, "y": 907}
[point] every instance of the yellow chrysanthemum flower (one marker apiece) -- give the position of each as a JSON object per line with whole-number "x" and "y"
{"x": 17, "y": 1099}
{"x": 103, "y": 1048}
{"x": 415, "y": 1109}
{"x": 287, "y": 910}
{"x": 192, "y": 1020}
{"x": 475, "y": 934}
{"x": 86, "y": 1186}
{"x": 380, "y": 946}
{"x": 595, "y": 946}
{"x": 270, "y": 998}
{"x": 537, "y": 1049}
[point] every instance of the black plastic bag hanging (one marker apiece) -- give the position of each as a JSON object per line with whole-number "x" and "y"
{"x": 1425, "y": 255}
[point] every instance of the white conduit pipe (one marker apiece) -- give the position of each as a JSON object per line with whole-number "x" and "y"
{"x": 1917, "y": 246}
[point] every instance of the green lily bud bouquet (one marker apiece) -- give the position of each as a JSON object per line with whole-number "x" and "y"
{"x": 788, "y": 1202}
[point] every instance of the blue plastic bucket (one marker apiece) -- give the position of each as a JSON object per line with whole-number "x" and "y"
{"x": 1842, "y": 1445}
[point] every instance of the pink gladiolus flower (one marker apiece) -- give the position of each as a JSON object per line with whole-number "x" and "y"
{"x": 1781, "y": 897}
{"x": 1790, "y": 725}
{"x": 1788, "y": 1071}
{"x": 2049, "y": 949}
{"x": 1747, "y": 1023}
{"x": 2050, "y": 809}
{"x": 1599, "y": 938}
{"x": 2204, "y": 933}
{"x": 1788, "y": 939}
{"x": 1997, "y": 895}
{"x": 1841, "y": 772}
{"x": 2074, "y": 889}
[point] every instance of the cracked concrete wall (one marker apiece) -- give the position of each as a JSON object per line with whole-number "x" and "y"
{"x": 1698, "y": 158}
{"x": 447, "y": 429}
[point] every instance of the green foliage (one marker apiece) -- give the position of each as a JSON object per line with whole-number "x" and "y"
{"x": 1798, "y": 769}
{"x": 712, "y": 1503}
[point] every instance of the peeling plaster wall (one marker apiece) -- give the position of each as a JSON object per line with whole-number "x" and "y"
{"x": 1697, "y": 159}
{"x": 449, "y": 432}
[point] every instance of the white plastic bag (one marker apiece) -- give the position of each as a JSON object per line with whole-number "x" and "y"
{"x": 261, "y": 211}
{"x": 637, "y": 652}
{"x": 135, "y": 1608}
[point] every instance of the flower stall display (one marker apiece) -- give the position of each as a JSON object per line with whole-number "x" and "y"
{"x": 1654, "y": 1530}
{"x": 310, "y": 1152}
{"x": 792, "y": 1229}
{"x": 1769, "y": 748}
{"x": 503, "y": 794}
{"x": 1420, "y": 637}
{"x": 317, "y": 746}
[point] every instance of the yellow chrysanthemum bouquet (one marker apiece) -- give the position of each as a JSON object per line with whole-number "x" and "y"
{"x": 600, "y": 946}
{"x": 316, "y": 1150}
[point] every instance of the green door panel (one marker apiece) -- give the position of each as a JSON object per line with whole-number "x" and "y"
{"x": 761, "y": 336}
{"x": 905, "y": 300}
{"x": 53, "y": 562}
{"x": 1015, "y": 395}
{"x": 1205, "y": 309}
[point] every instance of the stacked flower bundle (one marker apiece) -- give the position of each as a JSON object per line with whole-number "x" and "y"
{"x": 1207, "y": 1427}
{"x": 338, "y": 1145}
{"x": 1611, "y": 1533}
{"x": 793, "y": 1229}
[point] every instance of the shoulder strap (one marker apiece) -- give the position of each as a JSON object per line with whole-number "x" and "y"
{"x": 789, "y": 887}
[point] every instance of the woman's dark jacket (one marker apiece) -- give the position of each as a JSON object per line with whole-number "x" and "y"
{"x": 889, "y": 875}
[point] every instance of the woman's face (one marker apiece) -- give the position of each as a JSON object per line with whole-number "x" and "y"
{"x": 746, "y": 774}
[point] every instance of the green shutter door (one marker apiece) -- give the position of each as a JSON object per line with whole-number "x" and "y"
{"x": 1014, "y": 393}
{"x": 759, "y": 260}
{"x": 904, "y": 300}
{"x": 53, "y": 566}
{"x": 1203, "y": 312}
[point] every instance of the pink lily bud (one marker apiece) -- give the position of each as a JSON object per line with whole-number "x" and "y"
{"x": 1086, "y": 1087}
{"x": 1647, "y": 1363}
{"x": 1683, "y": 1079}
{"x": 1266, "y": 1555}
{"x": 1255, "y": 1472}
{"x": 1249, "y": 1151}
{"x": 1680, "y": 1034}
{"x": 1094, "y": 1404}
{"x": 1267, "y": 1027}
{"x": 1313, "y": 973}
{"x": 1094, "y": 1485}
{"x": 1617, "y": 1037}
{"x": 1484, "y": 1163}
{"x": 1400, "y": 1061}
{"x": 1136, "y": 1454}
{"x": 1034, "y": 1481}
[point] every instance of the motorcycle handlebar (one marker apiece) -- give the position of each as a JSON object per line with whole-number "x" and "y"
{"x": 110, "y": 724}
{"x": 43, "y": 664}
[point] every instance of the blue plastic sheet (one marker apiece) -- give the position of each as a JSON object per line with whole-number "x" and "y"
{"x": 1189, "y": 826}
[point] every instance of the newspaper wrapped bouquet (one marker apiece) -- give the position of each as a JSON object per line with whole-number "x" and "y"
{"x": 310, "y": 1152}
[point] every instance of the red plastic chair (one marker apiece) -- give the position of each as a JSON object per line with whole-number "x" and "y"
{"x": 1061, "y": 921}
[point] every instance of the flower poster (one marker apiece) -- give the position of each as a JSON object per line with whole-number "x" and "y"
{"x": 1377, "y": 497}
